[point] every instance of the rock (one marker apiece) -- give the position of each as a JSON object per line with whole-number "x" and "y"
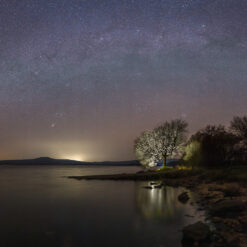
{"x": 231, "y": 239}
{"x": 153, "y": 183}
{"x": 232, "y": 190}
{"x": 148, "y": 187}
{"x": 196, "y": 233}
{"x": 149, "y": 170}
{"x": 159, "y": 186}
{"x": 243, "y": 220}
{"x": 200, "y": 209}
{"x": 140, "y": 172}
{"x": 227, "y": 208}
{"x": 216, "y": 219}
{"x": 183, "y": 197}
{"x": 187, "y": 215}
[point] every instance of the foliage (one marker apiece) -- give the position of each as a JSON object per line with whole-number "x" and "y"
{"x": 211, "y": 146}
{"x": 144, "y": 149}
{"x": 166, "y": 140}
{"x": 192, "y": 154}
{"x": 165, "y": 169}
{"x": 239, "y": 128}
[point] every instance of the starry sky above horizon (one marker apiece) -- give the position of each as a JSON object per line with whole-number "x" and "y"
{"x": 81, "y": 79}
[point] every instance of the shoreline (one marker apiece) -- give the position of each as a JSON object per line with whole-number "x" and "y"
{"x": 222, "y": 197}
{"x": 122, "y": 176}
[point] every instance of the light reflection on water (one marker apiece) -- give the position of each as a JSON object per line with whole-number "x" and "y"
{"x": 163, "y": 204}
{"x": 41, "y": 207}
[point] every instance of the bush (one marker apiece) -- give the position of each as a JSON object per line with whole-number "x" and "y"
{"x": 193, "y": 154}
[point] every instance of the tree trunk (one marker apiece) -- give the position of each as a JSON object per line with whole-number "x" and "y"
{"x": 164, "y": 161}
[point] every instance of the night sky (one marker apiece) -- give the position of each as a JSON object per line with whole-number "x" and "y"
{"x": 81, "y": 79}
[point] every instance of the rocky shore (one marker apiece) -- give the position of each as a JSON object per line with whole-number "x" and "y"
{"x": 222, "y": 197}
{"x": 226, "y": 206}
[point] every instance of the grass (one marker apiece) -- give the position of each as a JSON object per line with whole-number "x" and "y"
{"x": 164, "y": 169}
{"x": 234, "y": 174}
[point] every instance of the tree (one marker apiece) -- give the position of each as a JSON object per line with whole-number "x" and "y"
{"x": 144, "y": 149}
{"x": 167, "y": 140}
{"x": 192, "y": 155}
{"x": 211, "y": 146}
{"x": 239, "y": 128}
{"x": 170, "y": 138}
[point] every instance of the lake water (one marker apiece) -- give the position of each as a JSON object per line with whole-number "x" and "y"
{"x": 41, "y": 207}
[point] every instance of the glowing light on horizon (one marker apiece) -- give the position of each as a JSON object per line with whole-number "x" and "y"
{"x": 77, "y": 157}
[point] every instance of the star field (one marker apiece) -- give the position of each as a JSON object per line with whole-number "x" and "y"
{"x": 86, "y": 77}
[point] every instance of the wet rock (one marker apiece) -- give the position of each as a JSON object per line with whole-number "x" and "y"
{"x": 200, "y": 209}
{"x": 148, "y": 187}
{"x": 230, "y": 239}
{"x": 195, "y": 234}
{"x": 183, "y": 197}
{"x": 187, "y": 215}
{"x": 227, "y": 208}
{"x": 140, "y": 172}
{"x": 216, "y": 219}
{"x": 243, "y": 220}
{"x": 159, "y": 186}
{"x": 213, "y": 188}
{"x": 233, "y": 224}
{"x": 229, "y": 190}
{"x": 232, "y": 190}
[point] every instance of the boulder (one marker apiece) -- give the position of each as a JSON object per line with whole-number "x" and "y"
{"x": 227, "y": 208}
{"x": 196, "y": 233}
{"x": 183, "y": 197}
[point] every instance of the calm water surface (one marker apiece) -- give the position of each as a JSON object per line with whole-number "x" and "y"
{"x": 41, "y": 207}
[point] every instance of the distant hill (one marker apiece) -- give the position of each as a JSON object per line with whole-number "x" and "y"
{"x": 50, "y": 161}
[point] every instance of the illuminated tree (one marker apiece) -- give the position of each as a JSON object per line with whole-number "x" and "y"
{"x": 145, "y": 149}
{"x": 167, "y": 140}
{"x": 170, "y": 139}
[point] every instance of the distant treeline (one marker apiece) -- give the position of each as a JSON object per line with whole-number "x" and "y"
{"x": 50, "y": 161}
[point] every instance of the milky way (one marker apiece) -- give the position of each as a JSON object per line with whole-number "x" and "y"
{"x": 82, "y": 79}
